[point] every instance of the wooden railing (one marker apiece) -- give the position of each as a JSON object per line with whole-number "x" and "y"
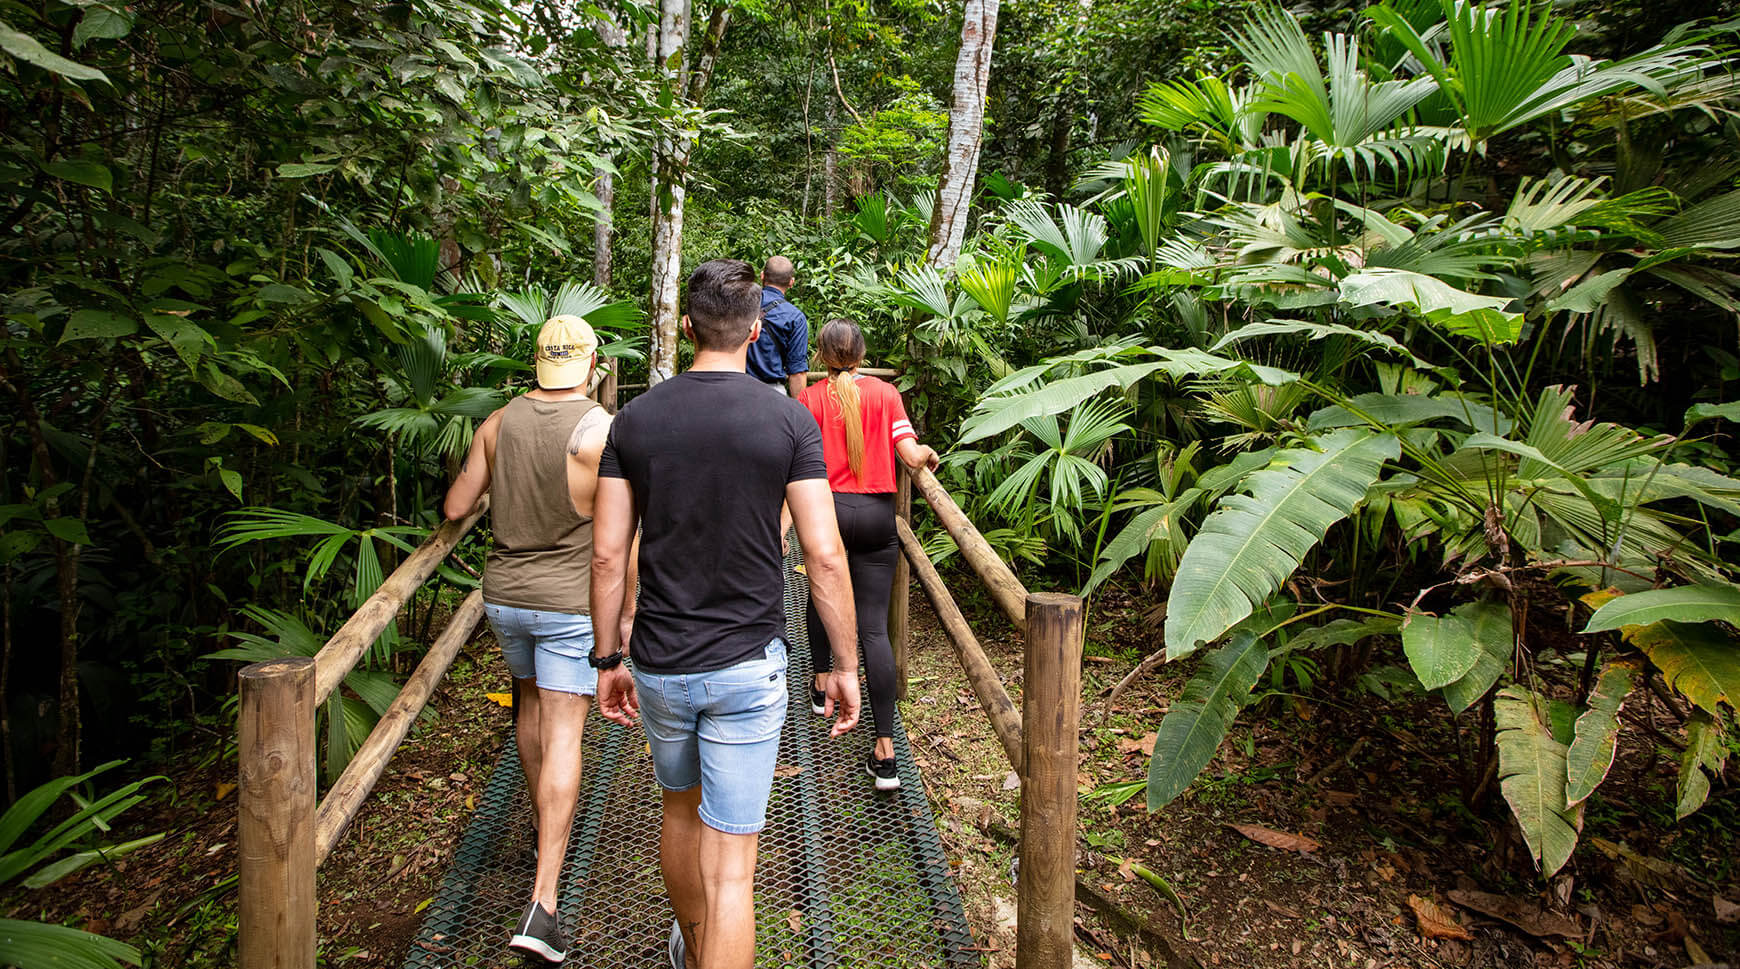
{"x": 282, "y": 836}
{"x": 1041, "y": 740}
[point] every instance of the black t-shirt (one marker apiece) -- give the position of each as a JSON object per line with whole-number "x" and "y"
{"x": 708, "y": 455}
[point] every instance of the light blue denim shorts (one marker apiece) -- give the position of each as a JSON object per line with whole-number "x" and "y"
{"x": 720, "y": 730}
{"x": 551, "y": 647}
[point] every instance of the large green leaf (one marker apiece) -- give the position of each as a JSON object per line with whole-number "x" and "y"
{"x": 27, "y": 49}
{"x": 1201, "y": 716}
{"x": 1685, "y": 603}
{"x": 1597, "y": 733}
{"x": 1701, "y": 763}
{"x": 40, "y": 945}
{"x": 1252, "y": 542}
{"x": 1531, "y": 770}
{"x": 1444, "y": 649}
{"x": 1462, "y": 313}
{"x": 995, "y": 415}
{"x": 1492, "y": 630}
{"x": 1392, "y": 410}
{"x": 1696, "y": 659}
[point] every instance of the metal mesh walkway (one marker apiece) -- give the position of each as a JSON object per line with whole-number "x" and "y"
{"x": 847, "y": 877}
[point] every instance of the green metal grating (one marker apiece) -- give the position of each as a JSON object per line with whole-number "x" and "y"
{"x": 847, "y": 877}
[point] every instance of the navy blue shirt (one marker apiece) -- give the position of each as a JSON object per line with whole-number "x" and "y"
{"x": 784, "y": 346}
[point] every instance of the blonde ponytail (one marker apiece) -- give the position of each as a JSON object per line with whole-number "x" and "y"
{"x": 843, "y": 387}
{"x": 840, "y": 346}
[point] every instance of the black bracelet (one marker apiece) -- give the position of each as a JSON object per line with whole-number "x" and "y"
{"x": 606, "y": 662}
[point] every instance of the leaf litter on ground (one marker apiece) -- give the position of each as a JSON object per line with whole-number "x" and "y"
{"x": 1276, "y": 839}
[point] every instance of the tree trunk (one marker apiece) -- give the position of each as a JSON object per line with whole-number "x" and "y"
{"x": 1057, "y": 162}
{"x": 954, "y": 195}
{"x": 671, "y": 154}
{"x": 831, "y": 165}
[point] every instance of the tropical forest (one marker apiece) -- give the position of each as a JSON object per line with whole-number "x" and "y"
{"x": 1365, "y": 377}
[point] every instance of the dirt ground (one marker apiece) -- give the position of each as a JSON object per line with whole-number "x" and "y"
{"x": 1380, "y": 817}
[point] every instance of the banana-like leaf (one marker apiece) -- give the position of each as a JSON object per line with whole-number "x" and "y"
{"x": 1444, "y": 649}
{"x": 1393, "y": 410}
{"x": 1531, "y": 771}
{"x": 1701, "y": 763}
{"x": 1252, "y": 542}
{"x": 41, "y": 945}
{"x": 1597, "y": 733}
{"x": 1698, "y": 660}
{"x": 1200, "y": 717}
{"x": 1318, "y": 331}
{"x": 1685, "y": 603}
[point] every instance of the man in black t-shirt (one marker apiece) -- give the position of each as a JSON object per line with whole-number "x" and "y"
{"x": 701, "y": 463}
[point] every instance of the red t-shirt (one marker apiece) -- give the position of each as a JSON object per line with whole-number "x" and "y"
{"x": 884, "y": 423}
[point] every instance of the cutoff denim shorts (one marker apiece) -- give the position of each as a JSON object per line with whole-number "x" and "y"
{"x": 720, "y": 730}
{"x": 551, "y": 647}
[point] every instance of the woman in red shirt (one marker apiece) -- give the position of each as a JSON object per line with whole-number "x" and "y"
{"x": 864, "y": 428}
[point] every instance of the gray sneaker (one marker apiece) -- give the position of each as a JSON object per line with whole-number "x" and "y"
{"x": 539, "y": 934}
{"x": 678, "y": 952}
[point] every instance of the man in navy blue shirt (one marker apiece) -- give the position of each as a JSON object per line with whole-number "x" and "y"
{"x": 781, "y": 357}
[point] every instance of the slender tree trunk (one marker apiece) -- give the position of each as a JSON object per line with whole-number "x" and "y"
{"x": 831, "y": 165}
{"x": 675, "y": 146}
{"x": 1057, "y": 161}
{"x": 954, "y": 194}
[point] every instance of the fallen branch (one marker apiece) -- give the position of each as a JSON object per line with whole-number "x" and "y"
{"x": 1121, "y": 917}
{"x": 1143, "y": 668}
{"x": 1337, "y": 763}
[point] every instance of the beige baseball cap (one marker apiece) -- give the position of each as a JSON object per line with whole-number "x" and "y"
{"x": 565, "y": 348}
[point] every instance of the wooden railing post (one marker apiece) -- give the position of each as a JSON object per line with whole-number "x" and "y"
{"x": 275, "y": 822}
{"x": 1050, "y": 720}
{"x": 900, "y": 604}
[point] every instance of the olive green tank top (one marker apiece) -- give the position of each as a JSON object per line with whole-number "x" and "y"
{"x": 542, "y": 556}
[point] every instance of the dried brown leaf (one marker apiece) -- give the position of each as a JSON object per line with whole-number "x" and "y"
{"x": 1276, "y": 839}
{"x": 795, "y": 919}
{"x": 1520, "y": 912}
{"x": 1726, "y": 911}
{"x": 1436, "y": 921}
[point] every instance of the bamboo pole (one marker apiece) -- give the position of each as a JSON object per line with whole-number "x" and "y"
{"x": 275, "y": 815}
{"x": 342, "y": 803}
{"x": 340, "y": 654}
{"x": 1008, "y": 592}
{"x": 900, "y": 604}
{"x": 1050, "y": 725}
{"x": 1005, "y": 721}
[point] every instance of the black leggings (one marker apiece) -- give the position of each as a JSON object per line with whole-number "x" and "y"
{"x": 872, "y": 547}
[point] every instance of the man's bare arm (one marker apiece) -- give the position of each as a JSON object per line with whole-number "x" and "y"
{"x": 612, "y": 548}
{"x": 797, "y": 382}
{"x": 612, "y": 553}
{"x": 474, "y": 475}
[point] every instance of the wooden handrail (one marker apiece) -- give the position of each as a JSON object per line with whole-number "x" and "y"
{"x": 1008, "y": 592}
{"x": 340, "y": 654}
{"x": 863, "y": 371}
{"x": 345, "y": 799}
{"x": 981, "y": 676}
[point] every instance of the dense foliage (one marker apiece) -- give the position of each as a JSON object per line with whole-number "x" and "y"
{"x": 1381, "y": 350}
